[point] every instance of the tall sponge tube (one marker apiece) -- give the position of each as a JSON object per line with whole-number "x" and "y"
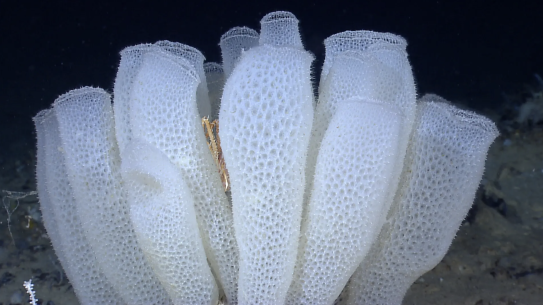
{"x": 444, "y": 164}
{"x": 61, "y": 220}
{"x": 163, "y": 216}
{"x": 266, "y": 116}
{"x": 164, "y": 113}
{"x": 354, "y": 173}
{"x": 85, "y": 120}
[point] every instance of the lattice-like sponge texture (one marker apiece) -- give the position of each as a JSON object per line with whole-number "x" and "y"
{"x": 443, "y": 167}
{"x": 163, "y": 112}
{"x": 61, "y": 219}
{"x": 355, "y": 170}
{"x": 163, "y": 216}
{"x": 265, "y": 117}
{"x": 86, "y": 128}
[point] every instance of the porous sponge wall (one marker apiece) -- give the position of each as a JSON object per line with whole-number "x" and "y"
{"x": 157, "y": 100}
{"x": 280, "y": 29}
{"x": 164, "y": 113}
{"x": 355, "y": 74}
{"x": 354, "y": 172}
{"x": 265, "y": 119}
{"x": 131, "y": 59}
{"x": 86, "y": 127}
{"x": 61, "y": 219}
{"x": 233, "y": 43}
{"x": 443, "y": 166}
{"x": 163, "y": 216}
{"x": 355, "y": 40}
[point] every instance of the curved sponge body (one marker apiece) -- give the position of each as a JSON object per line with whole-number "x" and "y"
{"x": 61, "y": 219}
{"x": 163, "y": 112}
{"x": 355, "y": 170}
{"x": 93, "y": 165}
{"x": 266, "y": 116}
{"x": 361, "y": 75}
{"x": 163, "y": 216}
{"x": 355, "y": 40}
{"x": 233, "y": 43}
{"x": 444, "y": 164}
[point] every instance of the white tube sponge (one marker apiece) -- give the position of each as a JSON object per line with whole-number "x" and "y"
{"x": 355, "y": 40}
{"x": 280, "y": 29}
{"x": 131, "y": 59}
{"x": 61, "y": 219}
{"x": 363, "y": 75}
{"x": 266, "y": 117}
{"x": 196, "y": 59}
{"x": 163, "y": 216}
{"x": 163, "y": 112}
{"x": 233, "y": 43}
{"x": 363, "y": 65}
{"x": 355, "y": 172}
{"x": 45, "y": 122}
{"x": 85, "y": 121}
{"x": 443, "y": 167}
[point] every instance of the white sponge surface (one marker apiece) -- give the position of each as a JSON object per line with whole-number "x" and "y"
{"x": 164, "y": 113}
{"x": 355, "y": 40}
{"x": 355, "y": 170}
{"x": 163, "y": 216}
{"x": 444, "y": 164}
{"x": 233, "y": 43}
{"x": 196, "y": 59}
{"x": 131, "y": 59}
{"x": 93, "y": 164}
{"x": 61, "y": 219}
{"x": 380, "y": 74}
{"x": 266, "y": 116}
{"x": 280, "y": 29}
